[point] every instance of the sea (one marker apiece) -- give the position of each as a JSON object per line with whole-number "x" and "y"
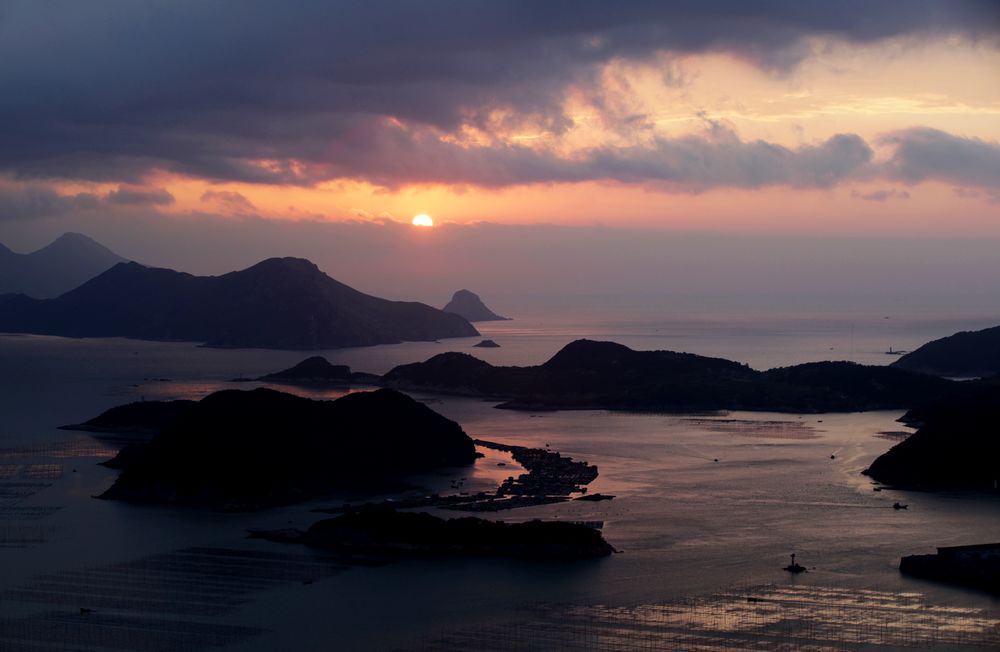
{"x": 708, "y": 509}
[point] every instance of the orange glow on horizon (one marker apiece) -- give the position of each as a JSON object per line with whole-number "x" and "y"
{"x": 865, "y": 90}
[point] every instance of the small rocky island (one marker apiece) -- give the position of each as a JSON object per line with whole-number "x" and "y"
{"x": 487, "y": 344}
{"x": 956, "y": 448}
{"x": 256, "y": 449}
{"x": 469, "y": 305}
{"x": 317, "y": 370}
{"x": 394, "y": 533}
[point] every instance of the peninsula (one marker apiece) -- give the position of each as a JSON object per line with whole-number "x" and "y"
{"x": 969, "y": 354}
{"x": 956, "y": 448}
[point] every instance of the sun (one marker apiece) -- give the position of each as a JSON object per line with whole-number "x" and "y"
{"x": 423, "y": 220}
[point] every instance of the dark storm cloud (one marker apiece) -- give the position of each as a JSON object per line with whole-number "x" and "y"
{"x": 111, "y": 89}
{"x": 922, "y": 154}
{"x": 129, "y": 196}
{"x": 39, "y": 201}
{"x": 35, "y": 202}
{"x": 880, "y": 195}
{"x": 715, "y": 158}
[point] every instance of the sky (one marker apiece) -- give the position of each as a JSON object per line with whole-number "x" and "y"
{"x": 168, "y": 127}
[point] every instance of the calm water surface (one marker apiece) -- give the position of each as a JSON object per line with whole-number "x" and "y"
{"x": 687, "y": 526}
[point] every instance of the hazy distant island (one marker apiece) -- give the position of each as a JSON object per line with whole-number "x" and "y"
{"x": 260, "y": 448}
{"x": 317, "y": 370}
{"x": 395, "y": 533}
{"x": 963, "y": 355}
{"x": 487, "y": 344}
{"x": 957, "y": 447}
{"x": 280, "y": 303}
{"x": 58, "y": 267}
{"x": 469, "y": 305}
{"x": 606, "y": 375}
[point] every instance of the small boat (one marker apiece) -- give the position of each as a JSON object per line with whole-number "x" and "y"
{"x": 794, "y": 567}
{"x": 891, "y": 352}
{"x": 898, "y": 506}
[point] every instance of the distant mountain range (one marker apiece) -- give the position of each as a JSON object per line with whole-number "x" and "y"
{"x": 469, "y": 305}
{"x": 605, "y": 375}
{"x": 56, "y": 268}
{"x": 280, "y": 303}
{"x": 965, "y": 354}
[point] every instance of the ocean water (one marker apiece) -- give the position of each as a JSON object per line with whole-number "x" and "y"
{"x": 80, "y": 573}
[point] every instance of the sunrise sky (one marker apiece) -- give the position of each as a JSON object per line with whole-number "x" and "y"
{"x": 849, "y": 117}
{"x": 158, "y": 126}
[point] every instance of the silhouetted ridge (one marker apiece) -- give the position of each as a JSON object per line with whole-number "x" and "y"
{"x": 965, "y": 354}
{"x": 277, "y": 303}
{"x": 469, "y": 305}
{"x": 391, "y": 532}
{"x": 138, "y": 417}
{"x": 254, "y": 449}
{"x": 868, "y": 387}
{"x": 589, "y": 353}
{"x": 957, "y": 447}
{"x": 318, "y": 370}
{"x": 589, "y": 374}
{"x": 451, "y": 372}
{"x": 68, "y": 261}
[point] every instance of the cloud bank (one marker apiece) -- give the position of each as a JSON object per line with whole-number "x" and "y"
{"x": 304, "y": 92}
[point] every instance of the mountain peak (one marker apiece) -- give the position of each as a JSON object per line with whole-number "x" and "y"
{"x": 290, "y": 262}
{"x": 73, "y": 236}
{"x": 63, "y": 264}
{"x": 468, "y": 304}
{"x": 71, "y": 242}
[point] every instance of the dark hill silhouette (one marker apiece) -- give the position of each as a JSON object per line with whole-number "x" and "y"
{"x": 56, "y": 268}
{"x": 972, "y": 390}
{"x": 866, "y": 387}
{"x": 965, "y": 354}
{"x": 393, "y": 533}
{"x": 249, "y": 450}
{"x": 284, "y": 303}
{"x": 957, "y": 447}
{"x": 139, "y": 417}
{"x": 317, "y": 370}
{"x": 588, "y": 374}
{"x": 469, "y": 305}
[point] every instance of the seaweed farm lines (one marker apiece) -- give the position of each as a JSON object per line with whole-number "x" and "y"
{"x": 758, "y": 618}
{"x": 180, "y": 600}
